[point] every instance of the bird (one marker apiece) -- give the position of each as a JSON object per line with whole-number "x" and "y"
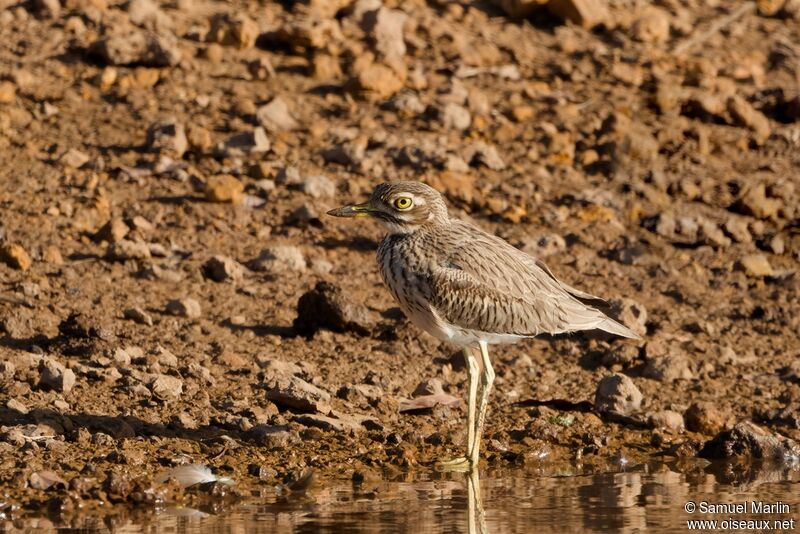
{"x": 470, "y": 288}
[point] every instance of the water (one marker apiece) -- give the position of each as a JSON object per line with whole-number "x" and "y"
{"x": 650, "y": 498}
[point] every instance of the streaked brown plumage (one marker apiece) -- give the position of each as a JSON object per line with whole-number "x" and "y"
{"x": 463, "y": 285}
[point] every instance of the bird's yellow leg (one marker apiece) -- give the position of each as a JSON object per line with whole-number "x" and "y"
{"x": 464, "y": 462}
{"x": 487, "y": 379}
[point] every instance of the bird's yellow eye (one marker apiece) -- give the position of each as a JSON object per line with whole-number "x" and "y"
{"x": 403, "y": 203}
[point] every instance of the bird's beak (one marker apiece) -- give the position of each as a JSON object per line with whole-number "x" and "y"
{"x": 352, "y": 210}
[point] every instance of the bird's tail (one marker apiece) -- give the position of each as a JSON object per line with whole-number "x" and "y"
{"x": 618, "y": 329}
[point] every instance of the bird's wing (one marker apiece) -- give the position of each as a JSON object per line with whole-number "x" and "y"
{"x": 483, "y": 283}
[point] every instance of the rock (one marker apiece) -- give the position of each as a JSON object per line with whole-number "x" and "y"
{"x": 245, "y": 144}
{"x": 769, "y": 8}
{"x": 147, "y": 14}
{"x": 584, "y": 13}
{"x": 705, "y": 418}
{"x": 273, "y": 436}
{"x": 481, "y": 153}
{"x": 668, "y": 368}
{"x": 379, "y": 81}
{"x": 746, "y": 115}
{"x": 617, "y": 394}
{"x": 431, "y": 386}
{"x": 125, "y": 249}
{"x": 319, "y": 186}
{"x": 294, "y": 392}
{"x": 73, "y": 158}
{"x": 545, "y": 245}
{"x": 224, "y": 188}
{"x": 340, "y": 423}
{"x": 756, "y": 266}
{"x": 54, "y": 375}
{"x": 168, "y": 138}
{"x": 276, "y": 117}
{"x": 652, "y": 26}
{"x": 737, "y": 228}
{"x": 327, "y": 306}
{"x": 756, "y": 203}
{"x": 185, "y": 307}
{"x": 326, "y": 67}
{"x": 166, "y": 387}
{"x": 233, "y": 30}
{"x": 45, "y": 480}
{"x": 261, "y": 69}
{"x": 279, "y": 259}
{"x": 747, "y": 440}
{"x": 114, "y": 230}
{"x": 223, "y": 269}
{"x": 520, "y": 8}
{"x": 455, "y": 117}
{"x": 274, "y": 368}
{"x": 667, "y": 419}
{"x": 199, "y": 138}
{"x": 385, "y": 28}
{"x": 15, "y": 256}
{"x": 48, "y": 8}
{"x": 52, "y": 255}
{"x": 138, "y": 315}
{"x": 8, "y": 92}
{"x": 630, "y": 313}
{"x": 138, "y": 48}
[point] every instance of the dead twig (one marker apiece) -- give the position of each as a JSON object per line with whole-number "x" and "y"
{"x": 700, "y": 37}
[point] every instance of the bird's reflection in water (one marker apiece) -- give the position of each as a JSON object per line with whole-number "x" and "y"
{"x": 476, "y": 517}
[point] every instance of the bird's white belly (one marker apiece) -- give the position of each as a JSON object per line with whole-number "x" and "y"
{"x": 430, "y": 321}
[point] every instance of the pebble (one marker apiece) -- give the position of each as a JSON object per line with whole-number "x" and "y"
{"x": 668, "y": 420}
{"x": 747, "y": 440}
{"x": 138, "y": 315}
{"x": 233, "y": 30}
{"x": 617, "y": 394}
{"x": 276, "y": 116}
{"x": 245, "y": 144}
{"x": 584, "y": 13}
{"x": 705, "y": 418}
{"x": 223, "y": 269}
{"x": 166, "y": 387}
{"x": 481, "y": 153}
{"x": 294, "y": 392}
{"x": 745, "y": 114}
{"x": 319, "y": 186}
{"x": 755, "y": 202}
{"x": 125, "y": 249}
{"x": 168, "y": 138}
{"x": 340, "y": 423}
{"x": 652, "y": 26}
{"x": 738, "y": 230}
{"x": 279, "y": 259}
{"x": 455, "y": 117}
{"x": 385, "y": 28}
{"x": 114, "y": 230}
{"x": 54, "y": 375}
{"x": 74, "y": 158}
{"x": 273, "y": 436}
{"x": 138, "y": 48}
{"x": 147, "y": 14}
{"x": 667, "y": 368}
{"x": 756, "y": 266}
{"x": 185, "y": 307}
{"x": 630, "y": 313}
{"x": 8, "y": 92}
{"x": 224, "y": 188}
{"x": 15, "y": 256}
{"x": 329, "y": 307}
{"x": 379, "y": 81}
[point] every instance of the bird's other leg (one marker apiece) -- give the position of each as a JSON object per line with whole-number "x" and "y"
{"x": 487, "y": 379}
{"x": 463, "y": 462}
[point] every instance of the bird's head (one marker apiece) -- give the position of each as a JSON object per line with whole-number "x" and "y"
{"x": 403, "y": 207}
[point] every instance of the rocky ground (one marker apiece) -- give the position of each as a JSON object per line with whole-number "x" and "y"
{"x": 173, "y": 293}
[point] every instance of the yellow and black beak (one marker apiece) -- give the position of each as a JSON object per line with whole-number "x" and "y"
{"x": 352, "y": 210}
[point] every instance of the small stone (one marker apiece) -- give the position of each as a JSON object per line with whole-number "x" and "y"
{"x": 776, "y": 245}
{"x": 245, "y": 144}
{"x": 747, "y": 440}
{"x": 276, "y": 116}
{"x": 769, "y": 8}
{"x": 138, "y": 48}
{"x": 294, "y": 392}
{"x": 54, "y": 375}
{"x": 705, "y": 418}
{"x": 138, "y": 315}
{"x": 326, "y": 67}
{"x": 522, "y": 113}
{"x": 385, "y": 28}
{"x": 631, "y": 313}
{"x": 223, "y": 269}
{"x": 481, "y": 153}
{"x": 233, "y": 30}
{"x": 379, "y": 80}
{"x": 166, "y": 387}
{"x": 74, "y": 159}
{"x": 756, "y": 266}
{"x": 652, "y": 26}
{"x": 224, "y": 188}
{"x": 114, "y": 230}
{"x": 756, "y": 203}
{"x": 455, "y": 117}
{"x": 199, "y": 139}
{"x": 341, "y": 423}
{"x": 273, "y": 436}
{"x": 746, "y": 115}
{"x": 431, "y": 386}
{"x": 617, "y": 394}
{"x": 668, "y": 420}
{"x": 584, "y": 13}
{"x": 168, "y": 138}
{"x": 261, "y": 69}
{"x": 279, "y": 259}
{"x": 8, "y": 92}
{"x": 737, "y": 228}
{"x": 52, "y": 255}
{"x": 15, "y": 257}
{"x": 319, "y": 186}
{"x": 668, "y": 368}
{"x": 185, "y": 307}
{"x": 327, "y": 306}
{"x": 147, "y": 14}
{"x": 125, "y": 249}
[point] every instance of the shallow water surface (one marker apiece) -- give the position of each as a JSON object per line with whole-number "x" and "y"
{"x": 645, "y": 498}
